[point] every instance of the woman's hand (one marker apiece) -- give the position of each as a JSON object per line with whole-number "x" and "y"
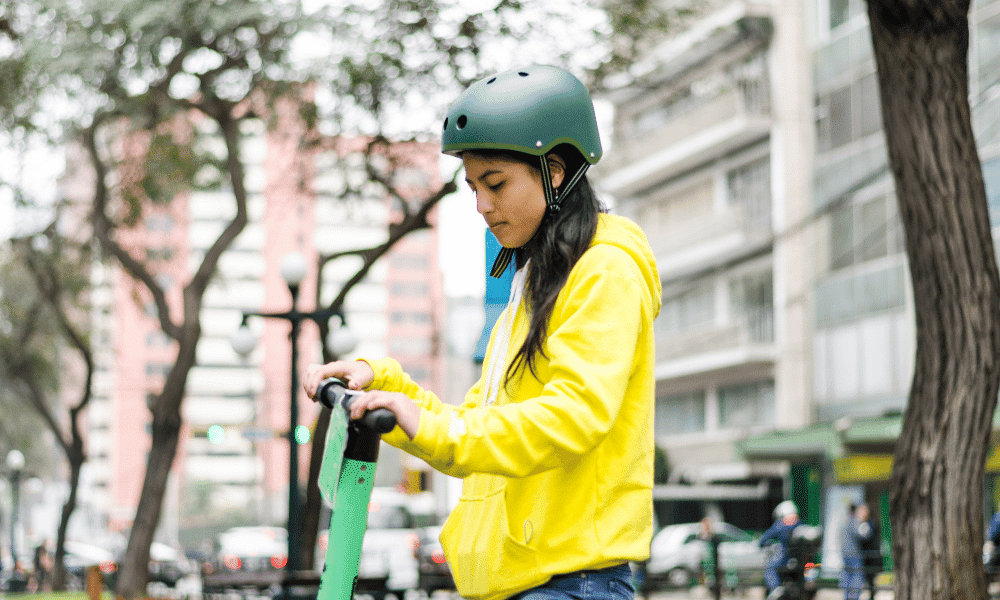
{"x": 406, "y": 411}
{"x": 356, "y": 373}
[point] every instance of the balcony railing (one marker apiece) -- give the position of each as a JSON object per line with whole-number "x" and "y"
{"x": 754, "y": 327}
{"x": 745, "y": 102}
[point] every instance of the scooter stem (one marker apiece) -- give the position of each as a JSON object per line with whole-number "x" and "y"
{"x": 350, "y": 516}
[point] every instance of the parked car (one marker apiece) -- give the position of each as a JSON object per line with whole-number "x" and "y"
{"x": 434, "y": 572}
{"x": 80, "y": 556}
{"x": 246, "y": 558}
{"x": 167, "y": 565}
{"x": 677, "y": 554}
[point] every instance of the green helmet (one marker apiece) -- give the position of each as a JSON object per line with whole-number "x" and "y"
{"x": 530, "y": 110}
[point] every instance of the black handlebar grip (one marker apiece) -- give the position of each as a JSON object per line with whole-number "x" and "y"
{"x": 379, "y": 420}
{"x": 333, "y": 392}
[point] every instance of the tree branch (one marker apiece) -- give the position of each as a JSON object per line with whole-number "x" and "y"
{"x": 103, "y": 228}
{"x": 194, "y": 291}
{"x": 397, "y": 231}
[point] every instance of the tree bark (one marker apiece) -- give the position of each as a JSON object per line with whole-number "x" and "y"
{"x": 921, "y": 50}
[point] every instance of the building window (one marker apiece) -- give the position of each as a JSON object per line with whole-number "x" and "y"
{"x": 680, "y": 413}
{"x": 987, "y": 55}
{"x": 842, "y": 11}
{"x": 159, "y": 254}
{"x": 864, "y": 231}
{"x": 157, "y": 369}
{"x": 838, "y": 12}
{"x": 680, "y": 208}
{"x": 409, "y": 261}
{"x": 163, "y": 223}
{"x": 747, "y": 405}
{"x": 410, "y": 345}
{"x": 856, "y": 293}
{"x": 158, "y": 339}
{"x": 409, "y": 289}
{"x": 690, "y": 310}
{"x": 848, "y": 114}
{"x": 749, "y": 187}
{"x": 417, "y": 373}
{"x": 991, "y": 176}
{"x": 410, "y": 317}
{"x": 752, "y": 300}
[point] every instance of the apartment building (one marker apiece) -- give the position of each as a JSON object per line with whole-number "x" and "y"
{"x": 750, "y": 149}
{"x": 710, "y": 157}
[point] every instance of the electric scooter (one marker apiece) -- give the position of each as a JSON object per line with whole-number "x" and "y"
{"x": 346, "y": 479}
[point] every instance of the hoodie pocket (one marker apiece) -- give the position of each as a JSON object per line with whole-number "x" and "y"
{"x": 484, "y": 557}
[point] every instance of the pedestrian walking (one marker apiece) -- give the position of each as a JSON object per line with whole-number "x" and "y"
{"x": 856, "y": 531}
{"x": 42, "y": 569}
{"x": 555, "y": 441}
{"x": 871, "y": 547}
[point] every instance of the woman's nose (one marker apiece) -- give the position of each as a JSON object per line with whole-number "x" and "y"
{"x": 483, "y": 205}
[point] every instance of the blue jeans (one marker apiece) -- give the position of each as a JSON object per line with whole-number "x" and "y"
{"x": 612, "y": 583}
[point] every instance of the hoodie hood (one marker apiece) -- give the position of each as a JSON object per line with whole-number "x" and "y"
{"x": 623, "y": 233}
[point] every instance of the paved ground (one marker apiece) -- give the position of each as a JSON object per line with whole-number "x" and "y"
{"x": 753, "y": 593}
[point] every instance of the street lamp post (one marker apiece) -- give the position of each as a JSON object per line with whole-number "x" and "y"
{"x": 293, "y": 271}
{"x": 15, "y": 463}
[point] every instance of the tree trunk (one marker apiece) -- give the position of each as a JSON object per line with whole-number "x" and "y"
{"x": 134, "y": 572}
{"x": 921, "y": 50}
{"x": 59, "y": 574}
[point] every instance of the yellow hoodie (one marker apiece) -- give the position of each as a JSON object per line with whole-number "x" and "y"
{"x": 559, "y": 469}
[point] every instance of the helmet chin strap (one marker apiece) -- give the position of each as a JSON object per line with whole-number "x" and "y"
{"x": 553, "y": 203}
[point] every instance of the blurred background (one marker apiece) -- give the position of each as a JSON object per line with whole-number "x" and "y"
{"x": 183, "y": 185}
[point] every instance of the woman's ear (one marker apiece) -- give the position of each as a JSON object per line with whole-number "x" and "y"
{"x": 557, "y": 169}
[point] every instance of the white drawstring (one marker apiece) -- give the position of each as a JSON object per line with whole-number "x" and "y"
{"x": 498, "y": 357}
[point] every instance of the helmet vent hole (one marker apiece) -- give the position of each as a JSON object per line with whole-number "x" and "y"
{"x": 462, "y": 121}
{"x": 491, "y": 81}
{"x": 446, "y": 123}
{"x": 522, "y": 74}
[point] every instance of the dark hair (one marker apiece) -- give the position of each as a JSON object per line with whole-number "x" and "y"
{"x": 559, "y": 242}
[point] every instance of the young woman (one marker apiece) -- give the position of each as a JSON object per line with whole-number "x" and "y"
{"x": 555, "y": 441}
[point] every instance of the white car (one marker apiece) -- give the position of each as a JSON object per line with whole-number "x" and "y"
{"x": 677, "y": 554}
{"x": 246, "y": 557}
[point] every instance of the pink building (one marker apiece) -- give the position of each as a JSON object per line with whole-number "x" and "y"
{"x": 296, "y": 204}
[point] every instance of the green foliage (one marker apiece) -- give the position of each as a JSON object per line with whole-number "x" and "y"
{"x": 661, "y": 467}
{"x": 396, "y": 64}
{"x": 637, "y": 26}
{"x": 29, "y": 348}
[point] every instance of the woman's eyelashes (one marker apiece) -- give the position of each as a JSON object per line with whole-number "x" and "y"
{"x": 496, "y": 186}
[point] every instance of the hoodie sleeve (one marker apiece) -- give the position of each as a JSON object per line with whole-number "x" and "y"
{"x": 591, "y": 347}
{"x": 389, "y": 376}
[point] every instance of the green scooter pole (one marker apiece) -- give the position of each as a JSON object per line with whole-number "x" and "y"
{"x": 346, "y": 480}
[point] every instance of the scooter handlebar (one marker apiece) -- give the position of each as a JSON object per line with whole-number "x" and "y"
{"x": 334, "y": 393}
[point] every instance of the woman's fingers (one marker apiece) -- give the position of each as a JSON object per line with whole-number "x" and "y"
{"x": 406, "y": 411}
{"x": 357, "y": 374}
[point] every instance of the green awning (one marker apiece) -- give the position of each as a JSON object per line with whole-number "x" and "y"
{"x": 811, "y": 441}
{"x": 824, "y": 439}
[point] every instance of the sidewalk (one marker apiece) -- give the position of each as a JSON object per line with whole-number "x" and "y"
{"x": 700, "y": 592}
